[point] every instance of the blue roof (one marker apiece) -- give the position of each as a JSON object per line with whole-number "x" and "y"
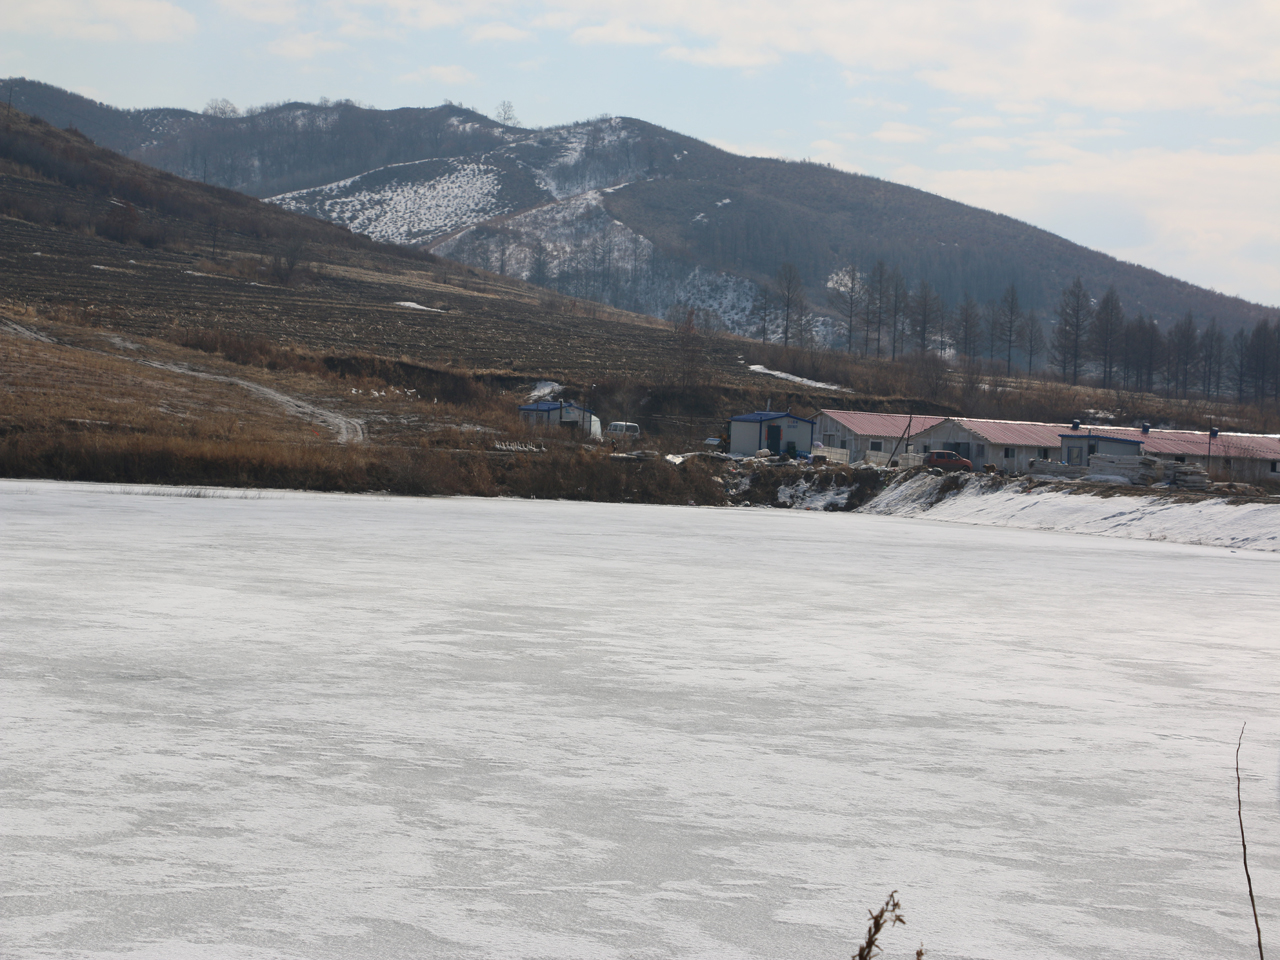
{"x": 546, "y": 406}
{"x": 761, "y": 415}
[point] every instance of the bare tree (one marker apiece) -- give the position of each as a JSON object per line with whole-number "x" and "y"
{"x": 846, "y": 294}
{"x": 221, "y": 107}
{"x": 967, "y": 329}
{"x": 899, "y": 299}
{"x": 761, "y": 307}
{"x": 506, "y": 115}
{"x": 1213, "y": 355}
{"x": 876, "y": 289}
{"x": 791, "y": 299}
{"x": 539, "y": 264}
{"x": 1075, "y": 312}
{"x": 1006, "y": 319}
{"x": 1031, "y": 332}
{"x": 1183, "y": 340}
{"x": 926, "y": 314}
{"x": 1105, "y": 334}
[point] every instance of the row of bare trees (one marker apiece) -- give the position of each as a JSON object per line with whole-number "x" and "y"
{"x": 882, "y": 315}
{"x": 1085, "y": 340}
{"x": 1096, "y": 340}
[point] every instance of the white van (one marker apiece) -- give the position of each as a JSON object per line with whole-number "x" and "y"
{"x": 620, "y": 430}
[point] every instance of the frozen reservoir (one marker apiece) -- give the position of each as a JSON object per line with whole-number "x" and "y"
{"x": 302, "y": 726}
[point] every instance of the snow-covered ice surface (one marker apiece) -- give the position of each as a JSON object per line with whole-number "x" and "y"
{"x": 1216, "y": 522}
{"x": 283, "y": 726}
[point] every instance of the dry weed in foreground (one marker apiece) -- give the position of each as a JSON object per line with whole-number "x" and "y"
{"x": 888, "y": 915}
{"x": 1244, "y": 850}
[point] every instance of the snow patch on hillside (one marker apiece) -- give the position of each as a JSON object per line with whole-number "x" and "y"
{"x": 590, "y": 156}
{"x": 405, "y": 208}
{"x": 993, "y": 501}
{"x": 571, "y": 231}
{"x": 759, "y": 368}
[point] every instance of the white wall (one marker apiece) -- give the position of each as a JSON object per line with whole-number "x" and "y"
{"x": 856, "y": 443}
{"x": 746, "y": 437}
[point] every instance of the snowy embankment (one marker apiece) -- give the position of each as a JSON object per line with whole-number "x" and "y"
{"x": 1026, "y": 505}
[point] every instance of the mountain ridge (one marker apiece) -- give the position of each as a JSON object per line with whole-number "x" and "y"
{"x": 621, "y": 210}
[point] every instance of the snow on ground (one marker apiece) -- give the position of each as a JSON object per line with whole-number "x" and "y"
{"x": 544, "y": 390}
{"x": 760, "y": 368}
{"x": 243, "y": 725}
{"x": 417, "y": 306}
{"x": 1214, "y": 522}
{"x": 404, "y": 207}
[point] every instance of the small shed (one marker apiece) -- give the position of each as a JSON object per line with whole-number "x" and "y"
{"x": 1078, "y": 447}
{"x": 776, "y": 432}
{"x": 563, "y": 414}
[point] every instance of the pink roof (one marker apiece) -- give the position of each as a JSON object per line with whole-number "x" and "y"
{"x": 1021, "y": 433}
{"x": 1197, "y": 444}
{"x": 881, "y": 424}
{"x": 1016, "y": 433}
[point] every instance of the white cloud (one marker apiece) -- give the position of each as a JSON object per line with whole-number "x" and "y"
{"x": 721, "y": 55}
{"x": 154, "y": 21}
{"x": 302, "y": 46}
{"x": 977, "y": 123}
{"x": 615, "y": 32}
{"x": 450, "y": 75}
{"x": 880, "y": 103}
{"x": 262, "y": 11}
{"x": 1121, "y": 56}
{"x": 498, "y": 30}
{"x": 894, "y": 132}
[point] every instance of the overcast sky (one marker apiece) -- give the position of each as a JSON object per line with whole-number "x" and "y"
{"x": 1149, "y": 129}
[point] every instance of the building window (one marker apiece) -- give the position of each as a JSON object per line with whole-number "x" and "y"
{"x": 924, "y": 448}
{"x": 1075, "y": 456}
{"x": 1179, "y": 459}
{"x": 1226, "y": 463}
{"x": 1274, "y": 465}
{"x": 1008, "y": 453}
{"x": 1044, "y": 453}
{"x": 828, "y": 439}
{"x": 1093, "y": 448}
{"x": 877, "y": 446}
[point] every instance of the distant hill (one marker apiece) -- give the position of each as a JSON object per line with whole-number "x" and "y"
{"x": 269, "y": 150}
{"x": 616, "y": 209}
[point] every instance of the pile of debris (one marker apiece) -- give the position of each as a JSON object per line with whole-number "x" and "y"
{"x": 1187, "y": 476}
{"x": 1056, "y": 469}
{"x": 1141, "y": 471}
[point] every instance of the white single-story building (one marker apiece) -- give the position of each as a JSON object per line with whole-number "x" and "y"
{"x": 1239, "y": 457}
{"x": 861, "y": 433}
{"x": 1012, "y": 444}
{"x": 1009, "y": 444}
{"x": 562, "y": 414}
{"x": 772, "y": 431}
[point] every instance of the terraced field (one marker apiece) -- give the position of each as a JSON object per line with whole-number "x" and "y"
{"x": 343, "y": 304}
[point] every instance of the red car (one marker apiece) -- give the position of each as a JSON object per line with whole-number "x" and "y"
{"x": 947, "y": 460}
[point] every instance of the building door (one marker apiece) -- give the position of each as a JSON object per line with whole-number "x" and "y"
{"x": 961, "y": 448}
{"x": 773, "y": 437}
